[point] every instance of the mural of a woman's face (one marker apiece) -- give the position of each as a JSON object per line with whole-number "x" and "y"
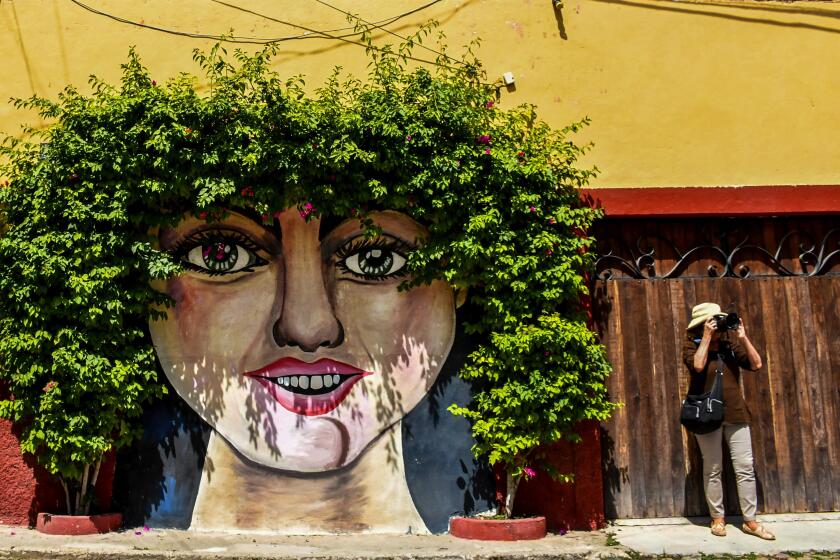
{"x": 293, "y": 341}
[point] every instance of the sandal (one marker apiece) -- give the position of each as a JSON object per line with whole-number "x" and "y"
{"x": 759, "y": 532}
{"x": 719, "y": 528}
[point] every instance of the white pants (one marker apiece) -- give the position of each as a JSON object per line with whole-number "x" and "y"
{"x": 740, "y": 449}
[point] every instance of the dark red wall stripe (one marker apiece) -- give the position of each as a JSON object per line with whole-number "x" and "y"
{"x": 773, "y": 200}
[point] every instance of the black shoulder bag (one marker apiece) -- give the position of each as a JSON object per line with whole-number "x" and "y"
{"x": 702, "y": 414}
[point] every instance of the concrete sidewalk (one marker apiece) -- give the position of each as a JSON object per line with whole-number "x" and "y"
{"x": 173, "y": 544}
{"x": 795, "y": 533}
{"x": 638, "y": 538}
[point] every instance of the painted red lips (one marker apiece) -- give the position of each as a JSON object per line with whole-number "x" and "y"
{"x": 308, "y": 388}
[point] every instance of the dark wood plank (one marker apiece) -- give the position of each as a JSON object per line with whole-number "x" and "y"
{"x": 789, "y": 406}
{"x": 802, "y": 420}
{"x": 622, "y": 438}
{"x": 638, "y": 405}
{"x": 664, "y": 391}
{"x": 813, "y": 391}
{"x": 776, "y": 358}
{"x": 757, "y": 390}
{"x": 825, "y": 309}
{"x": 673, "y": 354}
{"x": 615, "y": 441}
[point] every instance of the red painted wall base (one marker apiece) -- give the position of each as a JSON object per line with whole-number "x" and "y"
{"x": 578, "y": 505}
{"x": 28, "y": 488}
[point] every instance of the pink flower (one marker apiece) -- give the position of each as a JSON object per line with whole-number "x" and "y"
{"x": 484, "y": 139}
{"x": 50, "y": 386}
{"x": 551, "y": 221}
{"x": 546, "y": 353}
{"x": 487, "y": 151}
{"x": 408, "y": 137}
{"x": 489, "y": 104}
{"x": 146, "y": 529}
{"x": 529, "y": 472}
{"x": 154, "y": 82}
{"x": 549, "y": 252}
{"x": 202, "y": 215}
{"x": 306, "y": 210}
{"x": 532, "y": 209}
{"x": 247, "y": 191}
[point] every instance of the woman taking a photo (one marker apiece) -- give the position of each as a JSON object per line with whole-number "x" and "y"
{"x": 705, "y": 347}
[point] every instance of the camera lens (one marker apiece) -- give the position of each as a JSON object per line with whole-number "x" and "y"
{"x": 732, "y": 321}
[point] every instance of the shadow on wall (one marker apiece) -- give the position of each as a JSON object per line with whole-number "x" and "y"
{"x": 614, "y": 476}
{"x": 159, "y": 477}
{"x": 343, "y": 41}
{"x": 695, "y": 493}
{"x": 684, "y": 8}
{"x": 558, "y": 17}
{"x": 443, "y": 476}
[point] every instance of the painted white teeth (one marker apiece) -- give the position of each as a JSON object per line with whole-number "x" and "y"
{"x": 313, "y": 382}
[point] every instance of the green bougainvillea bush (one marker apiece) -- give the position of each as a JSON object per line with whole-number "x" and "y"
{"x": 497, "y": 187}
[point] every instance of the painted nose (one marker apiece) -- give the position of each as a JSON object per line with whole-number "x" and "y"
{"x": 307, "y": 319}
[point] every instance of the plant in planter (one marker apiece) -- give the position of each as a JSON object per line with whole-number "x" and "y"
{"x": 74, "y": 348}
{"x": 496, "y": 188}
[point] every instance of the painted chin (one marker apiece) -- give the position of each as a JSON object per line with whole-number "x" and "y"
{"x": 308, "y": 389}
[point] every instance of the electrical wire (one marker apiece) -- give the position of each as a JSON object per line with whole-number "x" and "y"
{"x": 327, "y": 35}
{"x": 250, "y": 40}
{"x": 377, "y": 25}
{"x": 311, "y": 33}
{"x": 230, "y": 39}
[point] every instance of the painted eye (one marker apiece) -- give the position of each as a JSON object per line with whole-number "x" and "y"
{"x": 377, "y": 258}
{"x": 374, "y": 262}
{"x": 220, "y": 254}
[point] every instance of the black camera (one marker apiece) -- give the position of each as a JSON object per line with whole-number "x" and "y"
{"x": 727, "y": 322}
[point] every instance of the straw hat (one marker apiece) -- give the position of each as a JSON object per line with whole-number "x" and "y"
{"x": 701, "y": 313}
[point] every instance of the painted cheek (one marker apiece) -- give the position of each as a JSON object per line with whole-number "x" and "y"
{"x": 183, "y": 292}
{"x": 179, "y": 290}
{"x": 408, "y": 333}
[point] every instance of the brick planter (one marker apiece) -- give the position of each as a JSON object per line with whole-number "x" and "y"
{"x": 530, "y": 528}
{"x": 78, "y": 524}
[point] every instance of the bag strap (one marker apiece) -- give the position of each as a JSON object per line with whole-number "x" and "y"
{"x": 717, "y": 386}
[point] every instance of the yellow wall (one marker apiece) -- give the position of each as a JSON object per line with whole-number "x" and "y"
{"x": 680, "y": 92}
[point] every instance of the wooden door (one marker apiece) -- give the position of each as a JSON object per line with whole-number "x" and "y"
{"x": 651, "y": 465}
